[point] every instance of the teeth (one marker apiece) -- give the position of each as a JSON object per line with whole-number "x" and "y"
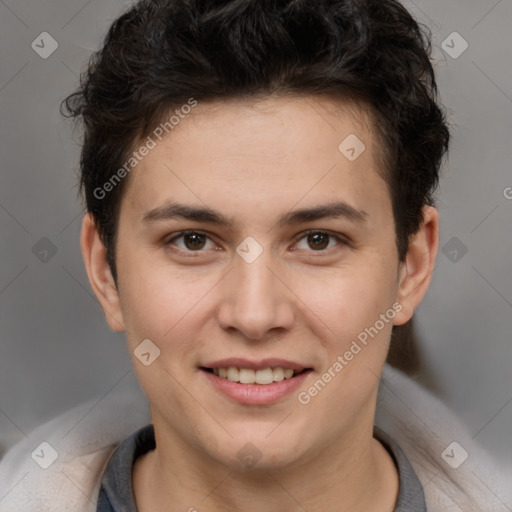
{"x": 265, "y": 376}
{"x": 278, "y": 374}
{"x": 248, "y": 376}
{"x": 233, "y": 374}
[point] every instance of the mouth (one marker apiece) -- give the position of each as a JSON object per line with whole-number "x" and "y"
{"x": 262, "y": 377}
{"x": 252, "y": 383}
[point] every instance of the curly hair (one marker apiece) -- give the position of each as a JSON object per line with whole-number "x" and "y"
{"x": 160, "y": 53}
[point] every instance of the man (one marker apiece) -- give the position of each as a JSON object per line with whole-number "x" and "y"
{"x": 258, "y": 179}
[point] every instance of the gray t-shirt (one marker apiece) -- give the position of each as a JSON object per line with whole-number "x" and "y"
{"x": 116, "y": 492}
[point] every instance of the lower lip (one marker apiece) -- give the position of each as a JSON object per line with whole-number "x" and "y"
{"x": 256, "y": 394}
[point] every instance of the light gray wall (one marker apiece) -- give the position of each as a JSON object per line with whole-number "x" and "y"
{"x": 56, "y": 349}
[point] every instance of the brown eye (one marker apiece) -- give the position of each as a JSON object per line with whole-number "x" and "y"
{"x": 191, "y": 241}
{"x": 318, "y": 241}
{"x": 194, "y": 241}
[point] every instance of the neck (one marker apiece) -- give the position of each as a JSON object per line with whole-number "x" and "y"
{"x": 353, "y": 472}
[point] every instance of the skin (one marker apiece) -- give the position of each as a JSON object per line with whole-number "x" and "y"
{"x": 253, "y": 161}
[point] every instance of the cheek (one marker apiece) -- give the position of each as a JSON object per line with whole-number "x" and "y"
{"x": 349, "y": 300}
{"x": 356, "y": 337}
{"x": 158, "y": 300}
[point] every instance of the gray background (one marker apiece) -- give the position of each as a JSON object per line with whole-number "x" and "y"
{"x": 56, "y": 349}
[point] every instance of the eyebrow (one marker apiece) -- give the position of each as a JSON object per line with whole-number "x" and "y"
{"x": 171, "y": 210}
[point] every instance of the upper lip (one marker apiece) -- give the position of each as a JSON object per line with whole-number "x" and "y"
{"x": 239, "y": 362}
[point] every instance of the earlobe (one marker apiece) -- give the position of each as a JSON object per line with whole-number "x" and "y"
{"x": 416, "y": 270}
{"x": 94, "y": 254}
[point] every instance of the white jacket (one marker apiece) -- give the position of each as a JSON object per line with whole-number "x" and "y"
{"x": 82, "y": 440}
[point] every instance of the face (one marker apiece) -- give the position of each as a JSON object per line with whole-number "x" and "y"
{"x": 248, "y": 240}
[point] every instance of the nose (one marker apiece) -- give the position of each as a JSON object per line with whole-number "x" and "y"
{"x": 255, "y": 299}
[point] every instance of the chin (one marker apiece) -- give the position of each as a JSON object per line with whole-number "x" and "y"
{"x": 258, "y": 453}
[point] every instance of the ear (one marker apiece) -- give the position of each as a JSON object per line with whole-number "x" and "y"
{"x": 416, "y": 271}
{"x": 94, "y": 254}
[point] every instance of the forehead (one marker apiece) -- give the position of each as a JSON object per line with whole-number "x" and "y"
{"x": 264, "y": 152}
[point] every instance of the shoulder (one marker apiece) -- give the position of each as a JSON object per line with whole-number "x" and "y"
{"x": 59, "y": 466}
{"x": 456, "y": 474}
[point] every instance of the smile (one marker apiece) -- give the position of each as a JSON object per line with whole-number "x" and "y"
{"x": 262, "y": 377}
{"x": 251, "y": 383}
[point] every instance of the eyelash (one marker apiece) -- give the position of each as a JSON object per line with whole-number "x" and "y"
{"x": 340, "y": 239}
